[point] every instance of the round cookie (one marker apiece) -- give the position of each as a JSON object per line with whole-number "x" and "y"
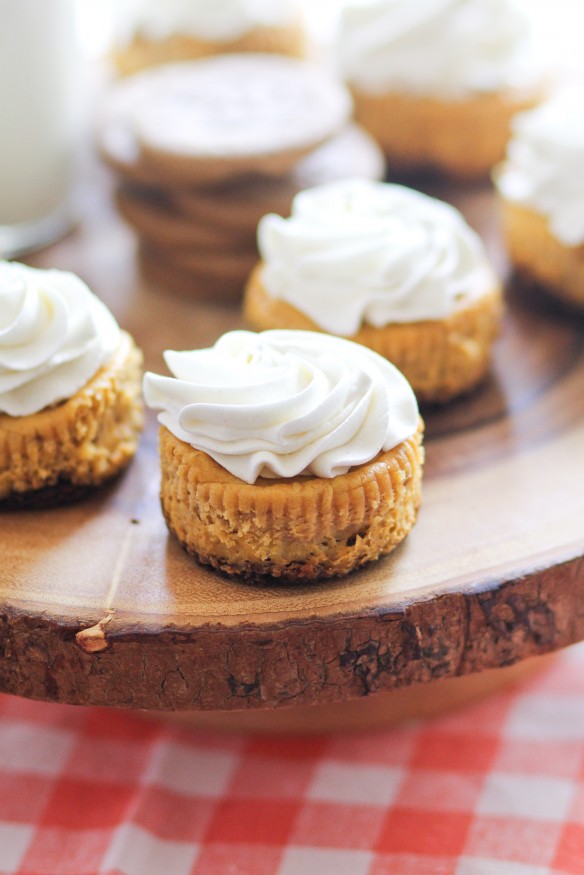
{"x": 236, "y": 206}
{"x": 160, "y": 270}
{"x": 242, "y": 204}
{"x": 201, "y": 121}
{"x": 222, "y": 265}
{"x": 153, "y": 216}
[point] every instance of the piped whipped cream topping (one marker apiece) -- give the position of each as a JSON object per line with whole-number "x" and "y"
{"x": 362, "y": 252}
{"x": 284, "y": 403}
{"x": 212, "y": 20}
{"x": 443, "y": 48}
{"x": 545, "y": 158}
{"x": 54, "y": 336}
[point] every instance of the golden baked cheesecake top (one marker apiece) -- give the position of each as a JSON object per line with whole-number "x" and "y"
{"x": 284, "y": 403}
{"x": 359, "y": 252}
{"x": 543, "y": 168}
{"x": 448, "y": 49}
{"x": 55, "y": 335}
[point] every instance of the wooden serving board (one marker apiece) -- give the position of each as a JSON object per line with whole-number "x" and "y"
{"x": 492, "y": 573}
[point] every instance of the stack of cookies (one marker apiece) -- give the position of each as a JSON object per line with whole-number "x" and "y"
{"x": 205, "y": 148}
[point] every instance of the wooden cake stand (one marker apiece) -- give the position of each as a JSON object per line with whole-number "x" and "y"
{"x": 101, "y": 606}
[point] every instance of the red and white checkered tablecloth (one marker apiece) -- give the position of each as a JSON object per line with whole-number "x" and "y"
{"x": 496, "y": 789}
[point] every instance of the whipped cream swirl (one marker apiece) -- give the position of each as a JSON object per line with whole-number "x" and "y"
{"x": 284, "y": 403}
{"x": 211, "y": 20}
{"x": 54, "y": 336}
{"x": 543, "y": 171}
{"x": 359, "y": 251}
{"x": 443, "y": 48}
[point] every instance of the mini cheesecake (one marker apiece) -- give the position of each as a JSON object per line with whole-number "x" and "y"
{"x": 387, "y": 267}
{"x": 287, "y": 456}
{"x": 70, "y": 402}
{"x": 542, "y": 197}
{"x": 437, "y": 84}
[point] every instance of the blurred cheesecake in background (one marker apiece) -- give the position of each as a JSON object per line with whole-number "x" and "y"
{"x": 155, "y": 32}
{"x": 437, "y": 82}
{"x": 541, "y": 189}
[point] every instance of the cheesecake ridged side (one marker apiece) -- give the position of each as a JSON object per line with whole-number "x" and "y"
{"x": 79, "y": 443}
{"x": 301, "y": 529}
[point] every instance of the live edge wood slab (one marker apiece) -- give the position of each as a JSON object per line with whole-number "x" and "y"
{"x": 99, "y": 605}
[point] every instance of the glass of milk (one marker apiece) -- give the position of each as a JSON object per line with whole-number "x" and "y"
{"x": 39, "y": 78}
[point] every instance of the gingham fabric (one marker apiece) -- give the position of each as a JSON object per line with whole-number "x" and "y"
{"x": 496, "y": 789}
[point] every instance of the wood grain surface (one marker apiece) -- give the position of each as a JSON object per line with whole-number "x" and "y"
{"x": 492, "y": 573}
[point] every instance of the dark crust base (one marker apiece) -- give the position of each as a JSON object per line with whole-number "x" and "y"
{"x": 267, "y": 573}
{"x": 545, "y": 296}
{"x": 58, "y": 494}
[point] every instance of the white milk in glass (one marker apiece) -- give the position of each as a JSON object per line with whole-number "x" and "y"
{"x": 39, "y": 79}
